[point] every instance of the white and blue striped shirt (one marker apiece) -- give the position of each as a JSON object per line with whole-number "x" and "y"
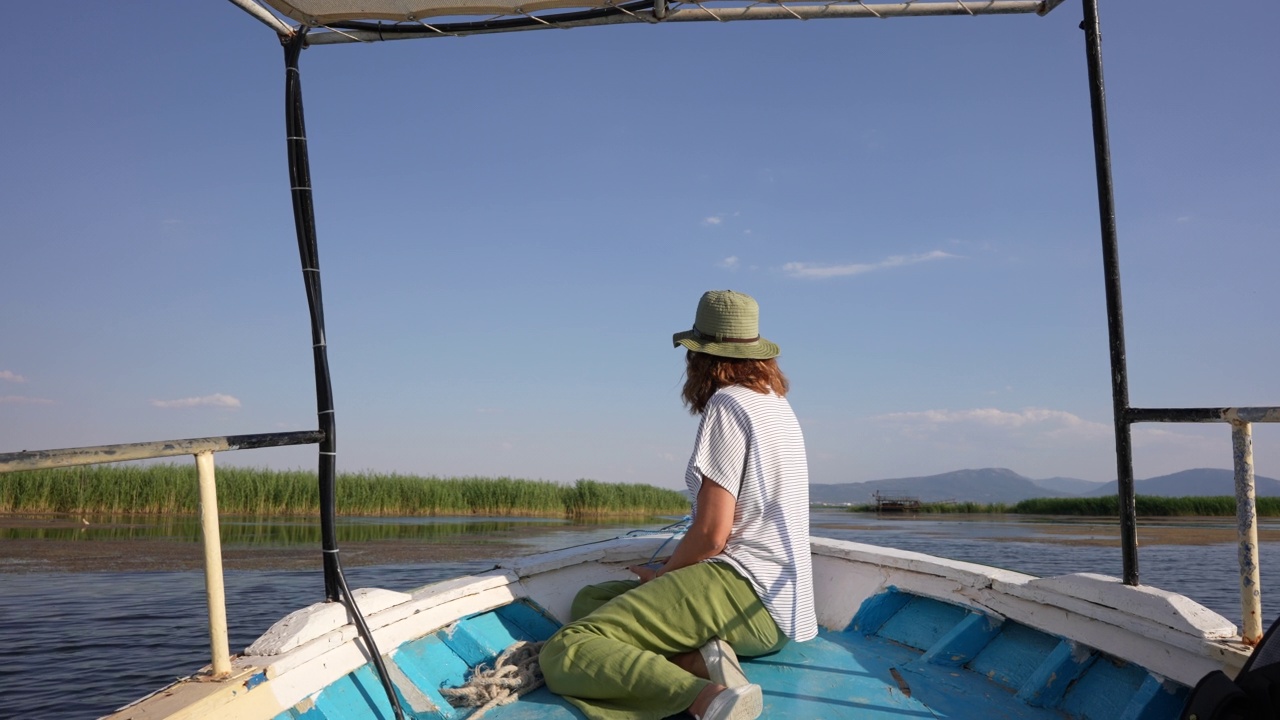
{"x": 750, "y": 444}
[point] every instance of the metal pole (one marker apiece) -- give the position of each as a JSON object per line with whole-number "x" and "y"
{"x": 1115, "y": 310}
{"x": 1247, "y": 526}
{"x": 304, "y": 219}
{"x": 67, "y": 457}
{"x": 219, "y": 648}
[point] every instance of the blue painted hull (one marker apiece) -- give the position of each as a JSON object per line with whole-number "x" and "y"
{"x": 904, "y": 635}
{"x": 903, "y": 656}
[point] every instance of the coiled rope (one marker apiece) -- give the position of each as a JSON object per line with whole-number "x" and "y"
{"x": 513, "y": 673}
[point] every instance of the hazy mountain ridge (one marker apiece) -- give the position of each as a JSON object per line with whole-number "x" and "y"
{"x": 1072, "y": 486}
{"x": 1001, "y": 485}
{"x": 1199, "y": 481}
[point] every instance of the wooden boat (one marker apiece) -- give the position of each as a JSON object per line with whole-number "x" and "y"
{"x": 904, "y": 635}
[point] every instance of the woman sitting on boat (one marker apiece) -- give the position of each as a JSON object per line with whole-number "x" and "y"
{"x": 739, "y": 582}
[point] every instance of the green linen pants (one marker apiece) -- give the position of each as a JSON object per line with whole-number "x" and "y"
{"x": 611, "y": 661}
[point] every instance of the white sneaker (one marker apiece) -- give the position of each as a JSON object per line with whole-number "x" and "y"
{"x": 723, "y": 667}
{"x": 744, "y": 702}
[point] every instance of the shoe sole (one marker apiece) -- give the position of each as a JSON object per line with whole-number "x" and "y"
{"x": 749, "y": 706}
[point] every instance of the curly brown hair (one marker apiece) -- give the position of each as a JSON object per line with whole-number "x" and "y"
{"x": 705, "y": 374}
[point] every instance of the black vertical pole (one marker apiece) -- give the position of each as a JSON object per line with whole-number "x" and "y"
{"x": 1115, "y": 310}
{"x": 304, "y": 221}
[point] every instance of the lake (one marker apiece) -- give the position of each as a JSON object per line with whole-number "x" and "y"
{"x": 81, "y": 644}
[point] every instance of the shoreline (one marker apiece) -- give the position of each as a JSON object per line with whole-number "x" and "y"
{"x": 76, "y": 554}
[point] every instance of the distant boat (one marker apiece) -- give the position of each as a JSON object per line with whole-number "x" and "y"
{"x": 895, "y": 503}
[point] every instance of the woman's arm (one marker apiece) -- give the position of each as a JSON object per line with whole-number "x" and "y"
{"x": 707, "y": 535}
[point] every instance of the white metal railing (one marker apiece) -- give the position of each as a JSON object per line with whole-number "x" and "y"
{"x": 1241, "y": 420}
{"x": 211, "y": 537}
{"x": 1247, "y": 532}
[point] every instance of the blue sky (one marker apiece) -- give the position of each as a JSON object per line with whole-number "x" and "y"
{"x": 512, "y": 226}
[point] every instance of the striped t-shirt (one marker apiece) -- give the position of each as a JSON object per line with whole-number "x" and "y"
{"x": 750, "y": 444}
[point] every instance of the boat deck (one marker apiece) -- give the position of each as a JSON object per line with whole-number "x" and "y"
{"x": 840, "y": 675}
{"x": 903, "y": 656}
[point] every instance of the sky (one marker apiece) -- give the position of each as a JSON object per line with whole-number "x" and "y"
{"x": 512, "y": 226}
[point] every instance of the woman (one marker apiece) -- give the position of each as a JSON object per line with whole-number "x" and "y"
{"x": 739, "y": 582}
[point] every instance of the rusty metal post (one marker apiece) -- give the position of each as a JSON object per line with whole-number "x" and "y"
{"x": 1115, "y": 306}
{"x": 219, "y": 648}
{"x": 1247, "y": 527}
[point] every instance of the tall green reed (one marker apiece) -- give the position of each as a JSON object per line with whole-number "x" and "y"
{"x": 164, "y": 489}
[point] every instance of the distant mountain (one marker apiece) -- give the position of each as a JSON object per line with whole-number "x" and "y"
{"x": 987, "y": 485}
{"x": 1071, "y": 486}
{"x": 1200, "y": 481}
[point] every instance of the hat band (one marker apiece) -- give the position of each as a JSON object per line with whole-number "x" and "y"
{"x": 716, "y": 338}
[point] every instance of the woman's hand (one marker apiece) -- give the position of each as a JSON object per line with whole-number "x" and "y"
{"x": 645, "y": 572}
{"x": 705, "y": 538}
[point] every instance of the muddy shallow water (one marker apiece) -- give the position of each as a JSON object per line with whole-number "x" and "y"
{"x": 138, "y": 544}
{"x": 35, "y": 543}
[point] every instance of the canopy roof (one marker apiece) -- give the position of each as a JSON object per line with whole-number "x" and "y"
{"x": 372, "y": 20}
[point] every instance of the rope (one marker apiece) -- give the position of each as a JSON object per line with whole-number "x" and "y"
{"x": 678, "y": 528}
{"x": 514, "y": 673}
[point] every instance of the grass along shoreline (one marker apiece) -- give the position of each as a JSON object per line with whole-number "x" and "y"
{"x": 171, "y": 489}
{"x": 1146, "y": 505}
{"x": 166, "y": 489}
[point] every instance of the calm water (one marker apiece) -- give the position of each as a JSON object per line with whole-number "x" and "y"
{"x": 79, "y": 645}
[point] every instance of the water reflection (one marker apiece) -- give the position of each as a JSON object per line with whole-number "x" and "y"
{"x": 252, "y": 531}
{"x": 115, "y": 637}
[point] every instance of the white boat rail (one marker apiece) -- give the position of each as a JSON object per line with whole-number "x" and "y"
{"x": 1241, "y": 420}
{"x": 210, "y": 535}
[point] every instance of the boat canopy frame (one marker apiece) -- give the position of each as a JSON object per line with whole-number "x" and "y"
{"x": 325, "y": 22}
{"x": 474, "y": 17}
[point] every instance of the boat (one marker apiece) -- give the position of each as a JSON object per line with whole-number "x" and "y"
{"x": 904, "y": 635}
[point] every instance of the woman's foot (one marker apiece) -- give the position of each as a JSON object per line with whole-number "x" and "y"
{"x": 744, "y": 702}
{"x": 722, "y": 664}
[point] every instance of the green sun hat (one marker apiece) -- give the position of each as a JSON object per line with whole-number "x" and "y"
{"x": 728, "y": 325}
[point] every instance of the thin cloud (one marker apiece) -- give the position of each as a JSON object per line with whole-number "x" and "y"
{"x": 1032, "y": 418}
{"x": 11, "y": 376}
{"x": 712, "y": 220}
{"x": 22, "y": 400}
{"x": 215, "y": 400}
{"x": 815, "y": 271}
{"x": 730, "y": 263}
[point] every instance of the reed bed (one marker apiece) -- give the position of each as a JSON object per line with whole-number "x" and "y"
{"x": 164, "y": 489}
{"x": 1146, "y": 506}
